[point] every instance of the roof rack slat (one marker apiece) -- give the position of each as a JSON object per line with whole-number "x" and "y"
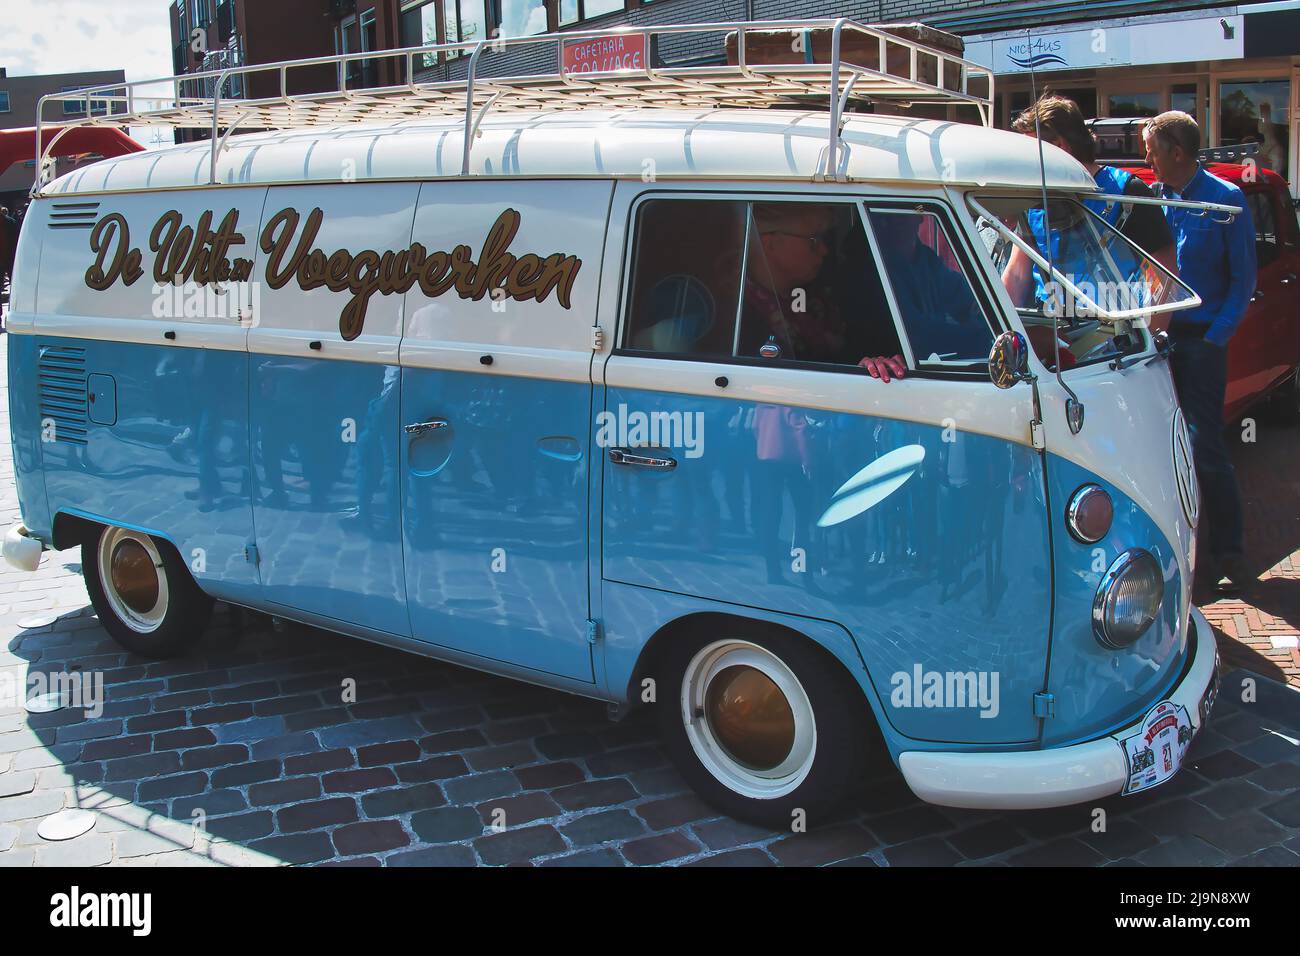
{"x": 744, "y": 84}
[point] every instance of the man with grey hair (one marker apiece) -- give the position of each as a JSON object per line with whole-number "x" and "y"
{"x": 1217, "y": 260}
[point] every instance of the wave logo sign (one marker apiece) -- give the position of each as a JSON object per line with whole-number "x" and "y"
{"x": 1037, "y": 60}
{"x": 872, "y": 484}
{"x": 1031, "y": 55}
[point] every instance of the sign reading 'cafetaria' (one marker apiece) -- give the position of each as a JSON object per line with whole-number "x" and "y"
{"x": 201, "y": 255}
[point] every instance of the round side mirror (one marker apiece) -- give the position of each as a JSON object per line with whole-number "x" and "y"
{"x": 1009, "y": 360}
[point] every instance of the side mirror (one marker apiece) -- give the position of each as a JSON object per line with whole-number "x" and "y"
{"x": 1009, "y": 360}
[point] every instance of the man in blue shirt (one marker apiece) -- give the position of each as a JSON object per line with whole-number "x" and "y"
{"x": 1217, "y": 260}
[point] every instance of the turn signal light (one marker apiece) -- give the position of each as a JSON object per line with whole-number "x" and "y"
{"x": 1089, "y": 514}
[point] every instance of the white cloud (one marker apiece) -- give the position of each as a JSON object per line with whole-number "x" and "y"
{"x": 64, "y": 36}
{"x": 67, "y": 36}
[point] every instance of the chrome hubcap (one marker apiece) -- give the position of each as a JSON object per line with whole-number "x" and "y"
{"x": 748, "y": 719}
{"x": 133, "y": 575}
{"x": 130, "y": 569}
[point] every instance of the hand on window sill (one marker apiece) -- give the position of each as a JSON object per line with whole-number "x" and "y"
{"x": 885, "y": 367}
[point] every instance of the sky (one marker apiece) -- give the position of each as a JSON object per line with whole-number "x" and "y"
{"x": 63, "y": 36}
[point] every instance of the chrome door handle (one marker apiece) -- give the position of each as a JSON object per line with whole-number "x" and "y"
{"x": 623, "y": 456}
{"x": 1259, "y": 294}
{"x": 1288, "y": 279}
{"x": 416, "y": 429}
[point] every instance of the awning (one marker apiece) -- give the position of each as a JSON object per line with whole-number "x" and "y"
{"x": 19, "y": 145}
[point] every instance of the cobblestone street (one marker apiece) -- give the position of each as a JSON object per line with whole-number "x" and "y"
{"x": 242, "y": 754}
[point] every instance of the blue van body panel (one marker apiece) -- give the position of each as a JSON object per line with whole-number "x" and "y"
{"x": 25, "y": 434}
{"x": 326, "y": 499}
{"x": 779, "y": 510}
{"x": 495, "y": 517}
{"x": 634, "y": 614}
{"x": 1098, "y": 690}
{"x": 174, "y": 463}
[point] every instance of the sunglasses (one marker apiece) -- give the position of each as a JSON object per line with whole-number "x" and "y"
{"x": 821, "y": 239}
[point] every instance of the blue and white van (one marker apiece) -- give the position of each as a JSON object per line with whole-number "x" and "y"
{"x": 584, "y": 405}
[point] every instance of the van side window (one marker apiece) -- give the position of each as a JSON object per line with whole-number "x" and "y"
{"x": 686, "y": 277}
{"x": 775, "y": 281}
{"x": 941, "y": 314}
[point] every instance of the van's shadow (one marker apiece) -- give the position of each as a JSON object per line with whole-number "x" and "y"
{"x": 245, "y": 751}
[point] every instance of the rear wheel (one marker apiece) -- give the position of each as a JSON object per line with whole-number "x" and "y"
{"x": 763, "y": 725}
{"x": 143, "y": 593}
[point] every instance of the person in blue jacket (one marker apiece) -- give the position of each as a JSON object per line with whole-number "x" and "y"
{"x": 1217, "y": 259}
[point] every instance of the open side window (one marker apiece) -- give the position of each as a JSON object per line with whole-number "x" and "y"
{"x": 1073, "y": 276}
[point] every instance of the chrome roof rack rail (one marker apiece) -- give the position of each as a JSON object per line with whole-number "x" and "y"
{"x": 929, "y": 76}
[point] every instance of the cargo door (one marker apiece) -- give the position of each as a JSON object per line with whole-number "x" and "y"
{"x": 496, "y": 408}
{"x": 323, "y": 385}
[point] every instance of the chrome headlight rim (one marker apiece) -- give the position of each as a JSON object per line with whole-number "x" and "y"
{"x": 1077, "y": 500}
{"x": 1106, "y": 590}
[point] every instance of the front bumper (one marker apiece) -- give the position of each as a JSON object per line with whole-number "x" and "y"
{"x": 1027, "y": 780}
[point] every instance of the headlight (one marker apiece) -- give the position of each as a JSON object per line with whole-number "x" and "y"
{"x": 1128, "y": 599}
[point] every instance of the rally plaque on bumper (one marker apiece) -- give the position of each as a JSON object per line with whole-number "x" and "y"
{"x": 1155, "y": 752}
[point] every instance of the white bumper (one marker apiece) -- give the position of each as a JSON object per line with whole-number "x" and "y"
{"x": 1027, "y": 780}
{"x": 21, "y": 550}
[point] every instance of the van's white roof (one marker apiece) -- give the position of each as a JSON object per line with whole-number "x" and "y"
{"x": 721, "y": 144}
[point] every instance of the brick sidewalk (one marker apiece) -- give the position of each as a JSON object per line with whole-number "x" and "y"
{"x": 1259, "y": 629}
{"x": 243, "y": 754}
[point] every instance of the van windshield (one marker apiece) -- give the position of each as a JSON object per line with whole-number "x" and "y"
{"x": 1100, "y": 290}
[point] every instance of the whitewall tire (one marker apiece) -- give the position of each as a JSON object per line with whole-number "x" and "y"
{"x": 143, "y": 593}
{"x": 764, "y": 725}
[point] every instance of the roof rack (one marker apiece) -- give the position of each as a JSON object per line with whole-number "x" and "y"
{"x": 927, "y": 75}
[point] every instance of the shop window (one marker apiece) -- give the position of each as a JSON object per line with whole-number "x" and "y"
{"x": 1085, "y": 96}
{"x": 523, "y": 18}
{"x": 4, "y": 101}
{"x": 1182, "y": 96}
{"x": 464, "y": 21}
{"x": 1257, "y": 112}
{"x": 575, "y": 11}
{"x": 419, "y": 27}
{"x": 1133, "y": 104}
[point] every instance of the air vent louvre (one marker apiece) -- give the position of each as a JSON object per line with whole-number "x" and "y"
{"x": 74, "y": 215}
{"x": 61, "y": 377}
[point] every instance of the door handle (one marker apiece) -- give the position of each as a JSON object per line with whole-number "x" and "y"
{"x": 1259, "y": 294}
{"x": 415, "y": 429}
{"x": 1288, "y": 279}
{"x": 624, "y": 456}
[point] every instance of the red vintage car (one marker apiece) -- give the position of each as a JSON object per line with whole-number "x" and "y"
{"x": 1264, "y": 354}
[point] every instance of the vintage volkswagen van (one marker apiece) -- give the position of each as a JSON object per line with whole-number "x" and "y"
{"x": 589, "y": 411}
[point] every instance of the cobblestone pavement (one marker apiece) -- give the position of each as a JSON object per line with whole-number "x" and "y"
{"x": 242, "y": 754}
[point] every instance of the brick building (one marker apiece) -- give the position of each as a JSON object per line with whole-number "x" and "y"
{"x": 18, "y": 98}
{"x": 1236, "y": 66}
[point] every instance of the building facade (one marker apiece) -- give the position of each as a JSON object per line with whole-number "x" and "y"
{"x": 1235, "y": 66}
{"x": 209, "y": 35}
{"x": 19, "y": 96}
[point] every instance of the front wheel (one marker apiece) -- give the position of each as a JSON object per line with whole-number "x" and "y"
{"x": 763, "y": 726}
{"x": 143, "y": 593}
